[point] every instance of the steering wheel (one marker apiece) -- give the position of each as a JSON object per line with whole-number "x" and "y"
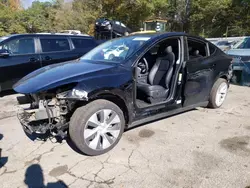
{"x": 143, "y": 65}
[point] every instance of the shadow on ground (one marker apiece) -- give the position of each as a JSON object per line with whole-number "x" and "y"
{"x": 25, "y": 99}
{"x": 3, "y": 160}
{"x": 73, "y": 146}
{"x": 34, "y": 178}
{"x": 6, "y": 93}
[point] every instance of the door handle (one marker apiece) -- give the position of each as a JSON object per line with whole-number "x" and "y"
{"x": 32, "y": 59}
{"x": 47, "y": 58}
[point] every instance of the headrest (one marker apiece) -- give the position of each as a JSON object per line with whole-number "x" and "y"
{"x": 196, "y": 52}
{"x": 168, "y": 49}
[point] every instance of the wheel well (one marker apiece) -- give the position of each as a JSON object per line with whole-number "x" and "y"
{"x": 224, "y": 77}
{"x": 118, "y": 101}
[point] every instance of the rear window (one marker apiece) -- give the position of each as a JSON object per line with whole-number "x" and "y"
{"x": 54, "y": 45}
{"x": 211, "y": 49}
{"x": 196, "y": 49}
{"x": 83, "y": 43}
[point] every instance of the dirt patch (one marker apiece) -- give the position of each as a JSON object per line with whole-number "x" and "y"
{"x": 238, "y": 145}
{"x": 203, "y": 166}
{"x": 11, "y": 103}
{"x": 58, "y": 171}
{"x": 247, "y": 127}
{"x": 133, "y": 139}
{"x": 205, "y": 162}
{"x": 146, "y": 133}
{"x": 4, "y": 115}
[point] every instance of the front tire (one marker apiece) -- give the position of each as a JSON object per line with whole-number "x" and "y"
{"x": 97, "y": 127}
{"x": 218, "y": 93}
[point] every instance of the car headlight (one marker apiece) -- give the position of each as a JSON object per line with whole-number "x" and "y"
{"x": 73, "y": 94}
{"x": 79, "y": 93}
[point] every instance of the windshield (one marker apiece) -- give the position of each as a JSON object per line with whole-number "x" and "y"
{"x": 3, "y": 38}
{"x": 115, "y": 51}
{"x": 243, "y": 44}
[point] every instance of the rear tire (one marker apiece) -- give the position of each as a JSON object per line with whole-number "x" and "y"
{"x": 97, "y": 127}
{"x": 218, "y": 93}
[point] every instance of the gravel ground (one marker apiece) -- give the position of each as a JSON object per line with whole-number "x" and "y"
{"x": 200, "y": 148}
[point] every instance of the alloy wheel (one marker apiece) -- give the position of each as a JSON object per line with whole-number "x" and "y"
{"x": 102, "y": 129}
{"x": 221, "y": 94}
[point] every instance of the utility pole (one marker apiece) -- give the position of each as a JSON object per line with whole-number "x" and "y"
{"x": 187, "y": 14}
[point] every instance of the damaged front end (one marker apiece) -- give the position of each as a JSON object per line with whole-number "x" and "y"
{"x": 49, "y": 114}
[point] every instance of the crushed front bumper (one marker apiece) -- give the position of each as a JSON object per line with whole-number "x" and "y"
{"x": 24, "y": 120}
{"x": 30, "y": 124}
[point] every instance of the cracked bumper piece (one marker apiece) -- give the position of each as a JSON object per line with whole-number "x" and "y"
{"x": 24, "y": 120}
{"x": 36, "y": 120}
{"x": 29, "y": 122}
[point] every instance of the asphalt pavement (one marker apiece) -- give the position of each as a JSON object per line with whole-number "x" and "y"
{"x": 200, "y": 148}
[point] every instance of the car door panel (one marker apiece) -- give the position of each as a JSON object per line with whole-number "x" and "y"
{"x": 199, "y": 79}
{"x": 16, "y": 66}
{"x": 197, "y": 86}
{"x": 52, "y": 58}
{"x": 55, "y": 50}
{"x": 173, "y": 100}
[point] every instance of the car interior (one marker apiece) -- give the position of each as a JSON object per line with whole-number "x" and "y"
{"x": 196, "y": 49}
{"x": 154, "y": 73}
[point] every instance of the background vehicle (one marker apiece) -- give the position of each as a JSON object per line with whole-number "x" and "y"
{"x": 95, "y": 98}
{"x": 108, "y": 29}
{"x": 153, "y": 26}
{"x": 113, "y": 52}
{"x": 24, "y": 53}
{"x": 241, "y": 61}
{"x": 224, "y": 45}
{"x": 74, "y": 32}
{"x": 159, "y": 25}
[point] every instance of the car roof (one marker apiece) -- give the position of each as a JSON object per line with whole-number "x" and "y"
{"x": 49, "y": 35}
{"x": 165, "y": 34}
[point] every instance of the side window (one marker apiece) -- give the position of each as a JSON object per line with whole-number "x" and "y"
{"x": 54, "y": 45}
{"x": 116, "y": 22}
{"x": 20, "y": 46}
{"x": 211, "y": 49}
{"x": 83, "y": 43}
{"x": 196, "y": 49}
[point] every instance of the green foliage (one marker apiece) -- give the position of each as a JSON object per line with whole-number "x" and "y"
{"x": 209, "y": 18}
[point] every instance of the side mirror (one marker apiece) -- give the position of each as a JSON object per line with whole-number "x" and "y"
{"x": 4, "y": 53}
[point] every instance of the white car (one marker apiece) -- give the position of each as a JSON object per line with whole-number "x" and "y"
{"x": 113, "y": 52}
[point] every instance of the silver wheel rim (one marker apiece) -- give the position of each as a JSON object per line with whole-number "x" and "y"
{"x": 102, "y": 129}
{"x": 221, "y": 94}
